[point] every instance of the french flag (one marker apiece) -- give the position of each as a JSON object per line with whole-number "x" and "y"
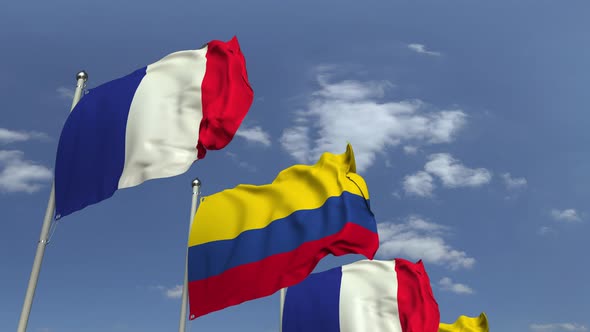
{"x": 368, "y": 295}
{"x": 152, "y": 123}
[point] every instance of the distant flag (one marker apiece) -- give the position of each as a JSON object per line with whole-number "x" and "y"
{"x": 152, "y": 123}
{"x": 250, "y": 241}
{"x": 467, "y": 324}
{"x": 392, "y": 296}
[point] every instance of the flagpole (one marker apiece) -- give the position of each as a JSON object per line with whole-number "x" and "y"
{"x": 81, "y": 78}
{"x": 196, "y": 191}
{"x": 281, "y": 307}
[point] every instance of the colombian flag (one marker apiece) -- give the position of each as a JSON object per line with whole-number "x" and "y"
{"x": 250, "y": 241}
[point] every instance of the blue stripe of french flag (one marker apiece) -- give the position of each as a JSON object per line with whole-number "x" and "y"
{"x": 152, "y": 123}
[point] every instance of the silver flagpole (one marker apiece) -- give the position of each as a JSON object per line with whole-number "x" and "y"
{"x": 196, "y": 191}
{"x": 81, "y": 77}
{"x": 281, "y": 306}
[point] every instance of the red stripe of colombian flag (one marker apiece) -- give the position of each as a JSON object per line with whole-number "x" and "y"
{"x": 265, "y": 277}
{"x": 418, "y": 309}
{"x": 250, "y": 241}
{"x": 226, "y": 95}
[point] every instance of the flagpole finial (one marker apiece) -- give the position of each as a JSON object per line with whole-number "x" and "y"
{"x": 82, "y": 75}
{"x": 196, "y": 182}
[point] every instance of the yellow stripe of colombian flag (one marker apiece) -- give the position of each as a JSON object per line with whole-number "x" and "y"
{"x": 467, "y": 324}
{"x": 288, "y": 193}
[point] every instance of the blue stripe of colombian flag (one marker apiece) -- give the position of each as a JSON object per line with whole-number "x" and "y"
{"x": 327, "y": 284}
{"x": 100, "y": 119}
{"x": 282, "y": 235}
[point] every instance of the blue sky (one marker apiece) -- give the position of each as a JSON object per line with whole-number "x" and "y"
{"x": 469, "y": 122}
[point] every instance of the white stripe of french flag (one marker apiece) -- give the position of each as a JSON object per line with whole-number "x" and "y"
{"x": 152, "y": 123}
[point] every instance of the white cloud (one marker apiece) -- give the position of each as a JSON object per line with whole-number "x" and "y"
{"x": 171, "y": 293}
{"x": 420, "y": 48}
{"x": 11, "y": 136}
{"x": 19, "y": 175}
{"x": 450, "y": 171}
{"x": 296, "y": 141}
{"x": 65, "y": 93}
{"x": 453, "y": 174}
{"x": 419, "y": 184}
{"x": 555, "y": 327}
{"x": 408, "y": 149}
{"x": 241, "y": 163}
{"x": 565, "y": 215}
{"x": 513, "y": 183}
{"x": 174, "y": 292}
{"x": 254, "y": 134}
{"x": 419, "y": 239}
{"x": 544, "y": 230}
{"x": 350, "y": 90}
{"x": 448, "y": 285}
{"x": 351, "y": 111}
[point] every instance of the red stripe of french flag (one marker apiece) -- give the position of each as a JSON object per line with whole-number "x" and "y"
{"x": 226, "y": 95}
{"x": 417, "y": 307}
